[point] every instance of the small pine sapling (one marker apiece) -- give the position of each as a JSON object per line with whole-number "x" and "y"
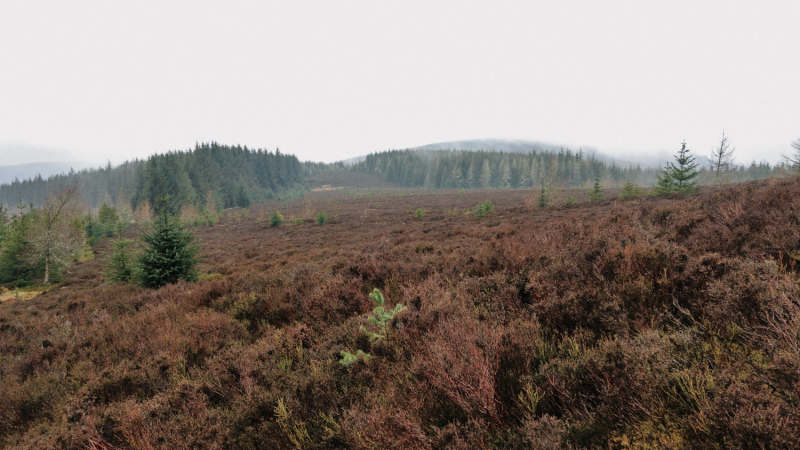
{"x": 484, "y": 208}
{"x": 276, "y": 219}
{"x": 380, "y": 317}
{"x": 419, "y": 213}
{"x": 596, "y": 195}
{"x": 630, "y": 190}
{"x": 322, "y": 217}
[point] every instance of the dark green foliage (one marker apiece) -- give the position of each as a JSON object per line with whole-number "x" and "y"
{"x": 322, "y": 217}
{"x": 419, "y": 213}
{"x": 122, "y": 263}
{"x": 14, "y": 242}
{"x": 107, "y": 215}
{"x": 275, "y": 219}
{"x": 486, "y": 169}
{"x": 242, "y": 197}
{"x": 484, "y": 208}
{"x": 665, "y": 183}
{"x": 545, "y": 197}
{"x": 208, "y": 175}
{"x": 106, "y": 225}
{"x": 169, "y": 252}
{"x": 678, "y": 177}
{"x": 596, "y": 194}
{"x": 629, "y": 190}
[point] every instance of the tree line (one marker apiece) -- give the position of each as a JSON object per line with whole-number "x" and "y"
{"x": 464, "y": 169}
{"x": 209, "y": 176}
{"x": 38, "y": 243}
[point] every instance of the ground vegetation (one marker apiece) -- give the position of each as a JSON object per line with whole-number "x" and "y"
{"x": 649, "y": 322}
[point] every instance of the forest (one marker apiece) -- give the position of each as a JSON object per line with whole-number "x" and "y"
{"x": 458, "y": 169}
{"x": 224, "y": 176}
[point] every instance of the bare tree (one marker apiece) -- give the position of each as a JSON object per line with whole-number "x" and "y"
{"x": 721, "y": 159}
{"x": 794, "y": 160}
{"x": 56, "y": 233}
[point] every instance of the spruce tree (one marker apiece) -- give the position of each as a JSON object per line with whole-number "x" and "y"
{"x": 595, "y": 195}
{"x": 684, "y": 173}
{"x": 169, "y": 251}
{"x": 629, "y": 190}
{"x": 678, "y": 177}
{"x": 665, "y": 182}
{"x": 122, "y": 264}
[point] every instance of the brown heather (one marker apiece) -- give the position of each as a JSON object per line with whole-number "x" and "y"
{"x": 667, "y": 322}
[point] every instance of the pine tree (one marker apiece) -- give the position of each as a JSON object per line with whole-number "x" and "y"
{"x": 665, "y": 182}
{"x": 169, "y": 251}
{"x": 595, "y": 195}
{"x": 121, "y": 266}
{"x": 242, "y": 197}
{"x": 486, "y": 175}
{"x": 685, "y": 171}
{"x": 629, "y": 190}
{"x": 680, "y": 177}
{"x": 107, "y": 215}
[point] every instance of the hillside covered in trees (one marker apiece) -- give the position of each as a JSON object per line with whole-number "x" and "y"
{"x": 208, "y": 175}
{"x": 460, "y": 169}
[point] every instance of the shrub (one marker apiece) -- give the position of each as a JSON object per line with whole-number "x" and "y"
{"x": 275, "y": 219}
{"x": 484, "y": 208}
{"x": 419, "y": 213}
{"x": 322, "y": 217}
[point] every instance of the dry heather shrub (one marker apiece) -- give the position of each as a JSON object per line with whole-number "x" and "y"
{"x": 461, "y": 436}
{"x": 545, "y": 433}
{"x": 460, "y": 357}
{"x": 377, "y": 423}
{"x": 603, "y": 385}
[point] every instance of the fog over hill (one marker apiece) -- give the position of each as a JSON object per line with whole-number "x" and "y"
{"x": 22, "y": 162}
{"x": 30, "y": 170}
{"x": 650, "y": 159}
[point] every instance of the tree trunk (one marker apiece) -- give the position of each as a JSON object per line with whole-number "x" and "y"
{"x": 46, "y": 267}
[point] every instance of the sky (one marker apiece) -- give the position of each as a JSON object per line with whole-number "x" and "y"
{"x": 330, "y": 80}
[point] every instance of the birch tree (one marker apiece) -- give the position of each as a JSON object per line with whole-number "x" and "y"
{"x": 56, "y": 235}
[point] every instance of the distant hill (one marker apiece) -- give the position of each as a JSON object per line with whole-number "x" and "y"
{"x": 31, "y": 170}
{"x": 524, "y": 146}
{"x": 498, "y": 145}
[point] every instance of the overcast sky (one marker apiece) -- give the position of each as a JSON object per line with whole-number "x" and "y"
{"x": 329, "y": 80}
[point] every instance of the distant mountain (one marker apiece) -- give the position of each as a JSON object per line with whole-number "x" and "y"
{"x": 31, "y": 170}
